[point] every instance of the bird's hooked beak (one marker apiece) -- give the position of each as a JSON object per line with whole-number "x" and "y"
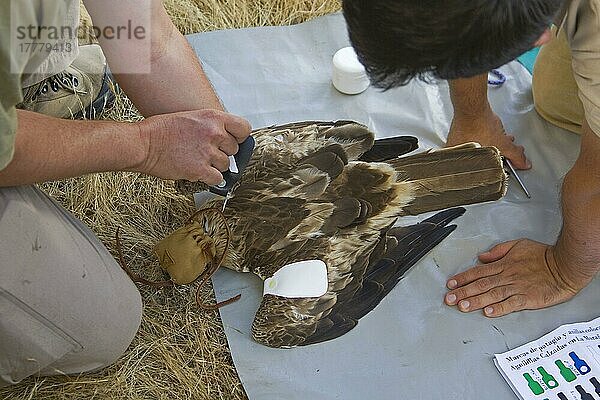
{"x": 185, "y": 253}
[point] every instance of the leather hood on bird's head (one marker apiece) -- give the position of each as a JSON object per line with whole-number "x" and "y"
{"x": 185, "y": 253}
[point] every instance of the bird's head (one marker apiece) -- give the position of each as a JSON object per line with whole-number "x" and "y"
{"x": 195, "y": 250}
{"x": 185, "y": 253}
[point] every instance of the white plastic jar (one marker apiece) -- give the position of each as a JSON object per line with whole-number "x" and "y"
{"x": 349, "y": 75}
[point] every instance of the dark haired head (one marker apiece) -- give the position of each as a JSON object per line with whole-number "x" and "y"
{"x": 398, "y": 40}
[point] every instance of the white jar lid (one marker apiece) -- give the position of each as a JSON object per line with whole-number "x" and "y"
{"x": 349, "y": 75}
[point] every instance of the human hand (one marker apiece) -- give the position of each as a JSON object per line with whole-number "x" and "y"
{"x": 487, "y": 130}
{"x": 516, "y": 275}
{"x": 192, "y": 145}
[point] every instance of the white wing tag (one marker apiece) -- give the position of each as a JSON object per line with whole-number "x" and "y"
{"x": 299, "y": 280}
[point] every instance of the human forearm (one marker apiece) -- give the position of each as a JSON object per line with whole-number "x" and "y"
{"x": 469, "y": 97}
{"x": 578, "y": 247}
{"x": 175, "y": 81}
{"x": 475, "y": 121}
{"x": 48, "y": 148}
{"x": 192, "y": 145}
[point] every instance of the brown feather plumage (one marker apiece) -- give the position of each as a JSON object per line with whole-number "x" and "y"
{"x": 305, "y": 195}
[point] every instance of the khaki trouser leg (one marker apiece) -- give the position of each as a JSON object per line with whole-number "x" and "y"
{"x": 555, "y": 91}
{"x": 66, "y": 307}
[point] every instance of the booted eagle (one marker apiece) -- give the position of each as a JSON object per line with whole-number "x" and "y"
{"x": 328, "y": 191}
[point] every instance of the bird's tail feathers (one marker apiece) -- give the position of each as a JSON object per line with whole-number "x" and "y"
{"x": 452, "y": 177}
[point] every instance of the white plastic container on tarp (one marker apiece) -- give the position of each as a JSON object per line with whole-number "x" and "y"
{"x": 348, "y": 74}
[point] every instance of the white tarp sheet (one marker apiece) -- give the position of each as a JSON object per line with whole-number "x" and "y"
{"x": 411, "y": 346}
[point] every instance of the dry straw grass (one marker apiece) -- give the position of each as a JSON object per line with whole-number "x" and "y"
{"x": 179, "y": 352}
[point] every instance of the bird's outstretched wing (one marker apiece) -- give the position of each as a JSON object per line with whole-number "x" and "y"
{"x": 286, "y": 322}
{"x": 302, "y": 185}
{"x": 404, "y": 246}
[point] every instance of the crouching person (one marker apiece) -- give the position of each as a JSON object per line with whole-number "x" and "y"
{"x": 66, "y": 307}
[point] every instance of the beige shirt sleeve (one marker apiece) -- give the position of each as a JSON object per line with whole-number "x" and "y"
{"x": 10, "y": 90}
{"x": 582, "y": 27}
{"x": 19, "y": 67}
{"x": 8, "y": 128}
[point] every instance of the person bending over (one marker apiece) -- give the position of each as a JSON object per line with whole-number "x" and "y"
{"x": 461, "y": 40}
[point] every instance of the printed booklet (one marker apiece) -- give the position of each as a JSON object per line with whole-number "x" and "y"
{"x": 561, "y": 365}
